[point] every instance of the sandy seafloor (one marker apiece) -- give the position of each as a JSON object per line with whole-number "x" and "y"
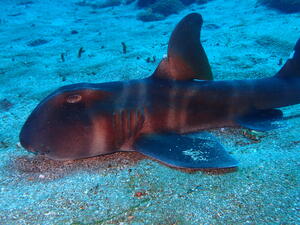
{"x": 242, "y": 40}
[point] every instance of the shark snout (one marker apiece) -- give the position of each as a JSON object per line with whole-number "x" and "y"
{"x": 29, "y": 138}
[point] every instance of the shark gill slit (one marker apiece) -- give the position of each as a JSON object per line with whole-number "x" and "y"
{"x": 126, "y": 125}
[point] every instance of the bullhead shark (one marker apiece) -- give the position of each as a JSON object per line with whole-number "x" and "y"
{"x": 154, "y": 115}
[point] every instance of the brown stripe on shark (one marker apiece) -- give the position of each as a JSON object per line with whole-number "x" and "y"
{"x": 102, "y": 139}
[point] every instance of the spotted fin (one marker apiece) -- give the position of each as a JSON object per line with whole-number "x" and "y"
{"x": 186, "y": 58}
{"x": 185, "y": 152}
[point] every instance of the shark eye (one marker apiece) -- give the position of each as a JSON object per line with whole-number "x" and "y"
{"x": 73, "y": 98}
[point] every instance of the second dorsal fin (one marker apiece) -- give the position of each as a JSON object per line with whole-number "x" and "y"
{"x": 186, "y": 57}
{"x": 292, "y": 67}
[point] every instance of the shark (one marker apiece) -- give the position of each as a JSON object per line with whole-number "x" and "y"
{"x": 155, "y": 115}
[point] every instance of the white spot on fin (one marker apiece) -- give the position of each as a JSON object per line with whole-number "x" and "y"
{"x": 196, "y": 155}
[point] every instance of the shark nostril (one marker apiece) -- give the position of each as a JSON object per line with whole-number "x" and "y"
{"x": 73, "y": 98}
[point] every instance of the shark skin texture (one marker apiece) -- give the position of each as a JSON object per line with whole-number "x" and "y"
{"x": 154, "y": 115}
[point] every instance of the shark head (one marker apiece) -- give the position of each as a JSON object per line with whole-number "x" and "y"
{"x": 64, "y": 125}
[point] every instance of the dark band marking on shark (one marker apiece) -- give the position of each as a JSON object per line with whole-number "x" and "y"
{"x": 152, "y": 115}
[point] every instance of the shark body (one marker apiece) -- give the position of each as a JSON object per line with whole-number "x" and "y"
{"x": 152, "y": 115}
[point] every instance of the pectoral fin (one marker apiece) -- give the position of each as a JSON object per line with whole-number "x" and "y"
{"x": 185, "y": 152}
{"x": 261, "y": 120}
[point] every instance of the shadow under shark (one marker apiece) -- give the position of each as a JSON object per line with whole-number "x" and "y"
{"x": 152, "y": 115}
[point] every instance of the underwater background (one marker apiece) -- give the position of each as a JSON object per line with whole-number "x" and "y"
{"x": 48, "y": 44}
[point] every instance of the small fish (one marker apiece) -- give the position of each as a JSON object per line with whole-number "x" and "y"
{"x": 154, "y": 115}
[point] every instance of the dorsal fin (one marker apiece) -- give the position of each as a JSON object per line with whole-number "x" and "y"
{"x": 186, "y": 58}
{"x": 292, "y": 67}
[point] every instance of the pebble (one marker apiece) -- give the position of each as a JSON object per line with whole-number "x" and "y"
{"x": 42, "y": 176}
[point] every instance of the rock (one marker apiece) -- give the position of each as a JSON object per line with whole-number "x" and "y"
{"x": 285, "y": 6}
{"x": 5, "y": 104}
{"x": 74, "y": 32}
{"x": 202, "y": 1}
{"x": 159, "y": 9}
{"x": 37, "y": 42}
{"x": 188, "y": 2}
{"x": 99, "y": 4}
{"x": 145, "y": 3}
{"x": 107, "y": 3}
{"x": 167, "y": 7}
{"x": 127, "y": 2}
{"x": 148, "y": 16}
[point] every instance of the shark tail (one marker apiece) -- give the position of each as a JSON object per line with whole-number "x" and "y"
{"x": 292, "y": 67}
